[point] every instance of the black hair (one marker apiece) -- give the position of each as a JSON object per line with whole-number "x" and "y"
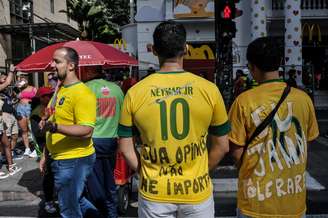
{"x": 291, "y": 72}
{"x": 239, "y": 72}
{"x": 265, "y": 54}
{"x": 71, "y": 56}
{"x": 169, "y": 39}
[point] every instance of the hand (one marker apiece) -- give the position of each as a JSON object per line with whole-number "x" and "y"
{"x": 12, "y": 68}
{"x": 42, "y": 165}
{"x": 50, "y": 126}
{"x": 47, "y": 126}
{"x": 42, "y": 123}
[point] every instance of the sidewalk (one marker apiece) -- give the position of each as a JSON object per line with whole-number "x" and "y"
{"x": 25, "y": 185}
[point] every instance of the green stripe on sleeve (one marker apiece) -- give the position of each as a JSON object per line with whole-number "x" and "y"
{"x": 127, "y": 131}
{"x": 124, "y": 131}
{"x": 87, "y": 124}
{"x": 220, "y": 130}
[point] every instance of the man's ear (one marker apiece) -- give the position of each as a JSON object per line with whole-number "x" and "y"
{"x": 154, "y": 50}
{"x": 71, "y": 66}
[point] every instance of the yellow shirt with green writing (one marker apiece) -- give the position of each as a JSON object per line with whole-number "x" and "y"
{"x": 75, "y": 105}
{"x": 173, "y": 113}
{"x": 272, "y": 174}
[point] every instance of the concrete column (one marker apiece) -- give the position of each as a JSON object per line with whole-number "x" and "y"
{"x": 293, "y": 40}
{"x": 243, "y": 35}
{"x": 258, "y": 18}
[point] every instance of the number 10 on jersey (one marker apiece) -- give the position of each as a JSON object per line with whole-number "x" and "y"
{"x": 173, "y": 119}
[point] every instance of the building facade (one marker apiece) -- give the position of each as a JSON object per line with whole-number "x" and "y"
{"x": 304, "y": 43}
{"x": 28, "y": 25}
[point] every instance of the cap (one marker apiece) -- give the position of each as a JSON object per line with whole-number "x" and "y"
{"x": 245, "y": 71}
{"x": 44, "y": 91}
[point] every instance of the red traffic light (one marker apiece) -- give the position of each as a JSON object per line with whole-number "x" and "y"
{"x": 227, "y": 9}
{"x": 227, "y": 12}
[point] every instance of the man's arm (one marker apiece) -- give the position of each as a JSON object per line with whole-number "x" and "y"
{"x": 80, "y": 131}
{"x": 130, "y": 154}
{"x": 43, "y": 160}
{"x": 236, "y": 151}
{"x": 75, "y": 130}
{"x": 9, "y": 78}
{"x": 219, "y": 147}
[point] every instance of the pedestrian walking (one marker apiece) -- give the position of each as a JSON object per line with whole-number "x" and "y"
{"x": 173, "y": 111}
{"x": 24, "y": 110}
{"x": 9, "y": 117}
{"x": 271, "y": 127}
{"x": 291, "y": 81}
{"x": 101, "y": 188}
{"x": 69, "y": 134}
{"x": 5, "y": 144}
{"x": 44, "y": 95}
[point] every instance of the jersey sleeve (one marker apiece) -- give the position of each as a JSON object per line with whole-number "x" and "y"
{"x": 219, "y": 124}
{"x": 312, "y": 130}
{"x": 85, "y": 109}
{"x": 238, "y": 132}
{"x": 126, "y": 120}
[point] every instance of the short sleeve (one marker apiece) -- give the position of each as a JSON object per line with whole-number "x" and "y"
{"x": 238, "y": 132}
{"x": 312, "y": 130}
{"x": 85, "y": 109}
{"x": 219, "y": 123}
{"x": 125, "y": 128}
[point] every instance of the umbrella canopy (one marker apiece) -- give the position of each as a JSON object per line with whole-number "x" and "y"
{"x": 91, "y": 54}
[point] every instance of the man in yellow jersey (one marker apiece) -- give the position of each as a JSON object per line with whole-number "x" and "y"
{"x": 69, "y": 142}
{"x": 174, "y": 110}
{"x": 272, "y": 172}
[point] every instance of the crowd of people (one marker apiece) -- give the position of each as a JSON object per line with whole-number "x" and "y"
{"x": 16, "y": 107}
{"x": 172, "y": 113}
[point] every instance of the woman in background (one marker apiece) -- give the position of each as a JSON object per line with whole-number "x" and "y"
{"x": 24, "y": 110}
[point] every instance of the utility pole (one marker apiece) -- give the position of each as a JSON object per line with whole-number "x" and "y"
{"x": 29, "y": 8}
{"x": 131, "y": 11}
{"x": 225, "y": 31}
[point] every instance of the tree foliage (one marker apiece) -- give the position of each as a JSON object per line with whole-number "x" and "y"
{"x": 98, "y": 19}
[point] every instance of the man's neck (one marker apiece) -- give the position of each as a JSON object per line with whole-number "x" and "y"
{"x": 171, "y": 65}
{"x": 269, "y": 76}
{"x": 70, "y": 79}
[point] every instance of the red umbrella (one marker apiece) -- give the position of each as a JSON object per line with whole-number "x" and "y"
{"x": 91, "y": 54}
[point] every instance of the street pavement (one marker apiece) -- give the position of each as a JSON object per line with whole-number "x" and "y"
{"x": 21, "y": 195}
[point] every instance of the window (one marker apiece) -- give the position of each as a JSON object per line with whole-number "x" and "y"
{"x": 52, "y": 6}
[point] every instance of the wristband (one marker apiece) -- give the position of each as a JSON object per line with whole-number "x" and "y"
{"x": 54, "y": 128}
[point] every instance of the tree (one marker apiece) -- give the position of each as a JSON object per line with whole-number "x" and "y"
{"x": 98, "y": 19}
{"x": 119, "y": 9}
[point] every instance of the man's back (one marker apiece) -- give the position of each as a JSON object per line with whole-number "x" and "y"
{"x": 272, "y": 175}
{"x": 173, "y": 112}
{"x": 109, "y": 101}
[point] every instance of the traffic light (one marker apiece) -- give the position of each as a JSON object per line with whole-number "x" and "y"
{"x": 228, "y": 11}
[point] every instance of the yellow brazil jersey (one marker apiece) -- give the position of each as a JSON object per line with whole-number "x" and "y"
{"x": 272, "y": 175}
{"x": 173, "y": 113}
{"x": 76, "y": 105}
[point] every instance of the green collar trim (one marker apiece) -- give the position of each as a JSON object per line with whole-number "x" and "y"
{"x": 66, "y": 86}
{"x": 272, "y": 80}
{"x": 171, "y": 72}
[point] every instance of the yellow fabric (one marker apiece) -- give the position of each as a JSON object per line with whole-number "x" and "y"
{"x": 273, "y": 187}
{"x": 76, "y": 105}
{"x": 173, "y": 112}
